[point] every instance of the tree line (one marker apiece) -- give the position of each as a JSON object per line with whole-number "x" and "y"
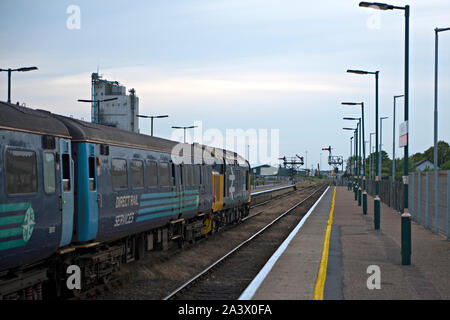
{"x": 413, "y": 161}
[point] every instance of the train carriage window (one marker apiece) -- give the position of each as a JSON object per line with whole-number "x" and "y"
{"x": 187, "y": 175}
{"x": 137, "y": 174}
{"x": 152, "y": 174}
{"x": 192, "y": 175}
{"x": 119, "y": 174}
{"x": 48, "y": 164}
{"x": 92, "y": 174}
{"x": 66, "y": 172}
{"x": 21, "y": 171}
{"x": 182, "y": 175}
{"x": 200, "y": 174}
{"x": 164, "y": 174}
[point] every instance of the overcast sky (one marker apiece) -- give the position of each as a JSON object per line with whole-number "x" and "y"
{"x": 236, "y": 64}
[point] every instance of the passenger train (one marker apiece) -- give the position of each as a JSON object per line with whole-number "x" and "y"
{"x": 74, "y": 193}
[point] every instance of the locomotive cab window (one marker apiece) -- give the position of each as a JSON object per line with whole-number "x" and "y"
{"x": 119, "y": 174}
{"x": 247, "y": 180}
{"x": 21, "y": 171}
{"x": 137, "y": 174}
{"x": 48, "y": 164}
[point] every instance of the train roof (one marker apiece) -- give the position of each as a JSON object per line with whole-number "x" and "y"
{"x": 97, "y": 133}
{"x": 17, "y": 118}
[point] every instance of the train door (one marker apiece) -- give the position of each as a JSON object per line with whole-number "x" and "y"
{"x": 183, "y": 173}
{"x": 176, "y": 189}
{"x": 67, "y": 187}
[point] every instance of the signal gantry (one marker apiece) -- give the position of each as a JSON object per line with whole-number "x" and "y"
{"x": 334, "y": 161}
{"x": 292, "y": 164}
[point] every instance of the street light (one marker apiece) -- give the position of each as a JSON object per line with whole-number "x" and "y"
{"x": 356, "y": 168}
{"x": 350, "y": 164}
{"x": 376, "y": 199}
{"x": 9, "y": 70}
{"x": 406, "y": 217}
{"x": 393, "y": 140}
{"x": 364, "y": 192}
{"x": 437, "y": 30}
{"x": 184, "y": 128}
{"x": 381, "y": 145}
{"x": 97, "y": 102}
{"x": 359, "y": 174}
{"x": 152, "y": 117}
{"x": 371, "y": 158}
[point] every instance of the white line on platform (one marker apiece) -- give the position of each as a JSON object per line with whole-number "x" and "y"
{"x": 250, "y": 291}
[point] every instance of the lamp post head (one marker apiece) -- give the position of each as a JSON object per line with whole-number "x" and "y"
{"x": 351, "y": 103}
{"x": 363, "y": 72}
{"x": 376, "y": 5}
{"x": 27, "y": 69}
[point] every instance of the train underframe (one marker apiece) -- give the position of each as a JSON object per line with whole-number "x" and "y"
{"x": 96, "y": 263}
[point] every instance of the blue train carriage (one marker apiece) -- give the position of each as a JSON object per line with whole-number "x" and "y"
{"x": 36, "y": 197}
{"x": 131, "y": 196}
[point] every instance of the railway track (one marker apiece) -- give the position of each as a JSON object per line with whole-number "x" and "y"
{"x": 227, "y": 277}
{"x": 152, "y": 269}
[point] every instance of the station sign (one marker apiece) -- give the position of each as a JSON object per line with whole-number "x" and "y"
{"x": 403, "y": 135}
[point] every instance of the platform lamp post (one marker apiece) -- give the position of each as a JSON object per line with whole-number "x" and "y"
{"x": 184, "y": 128}
{"x": 406, "y": 216}
{"x": 376, "y": 200}
{"x": 393, "y": 139}
{"x": 359, "y": 173}
{"x": 436, "y": 39}
{"x": 97, "y": 102}
{"x": 364, "y": 187}
{"x": 152, "y": 117}
{"x": 381, "y": 146}
{"x": 350, "y": 165}
{"x": 370, "y": 152}
{"x": 9, "y": 70}
{"x": 355, "y": 181}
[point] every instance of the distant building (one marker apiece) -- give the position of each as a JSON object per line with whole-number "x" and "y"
{"x": 265, "y": 170}
{"x": 121, "y": 113}
{"x": 423, "y": 165}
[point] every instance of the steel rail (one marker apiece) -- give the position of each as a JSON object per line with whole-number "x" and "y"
{"x": 188, "y": 283}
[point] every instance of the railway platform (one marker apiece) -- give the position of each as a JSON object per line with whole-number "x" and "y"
{"x": 352, "y": 260}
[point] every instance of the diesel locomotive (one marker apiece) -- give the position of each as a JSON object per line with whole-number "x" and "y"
{"x": 74, "y": 193}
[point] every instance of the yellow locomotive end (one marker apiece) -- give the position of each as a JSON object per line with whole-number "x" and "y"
{"x": 217, "y": 179}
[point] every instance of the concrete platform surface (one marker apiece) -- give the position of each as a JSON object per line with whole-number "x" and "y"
{"x": 355, "y": 250}
{"x": 428, "y": 276}
{"x": 293, "y": 276}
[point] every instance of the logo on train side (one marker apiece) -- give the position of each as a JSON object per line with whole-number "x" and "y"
{"x": 232, "y": 177}
{"x": 28, "y": 224}
{"x": 124, "y": 202}
{"x": 127, "y": 201}
{"x": 18, "y": 220}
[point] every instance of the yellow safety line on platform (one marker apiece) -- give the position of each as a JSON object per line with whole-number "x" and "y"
{"x": 321, "y": 276}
